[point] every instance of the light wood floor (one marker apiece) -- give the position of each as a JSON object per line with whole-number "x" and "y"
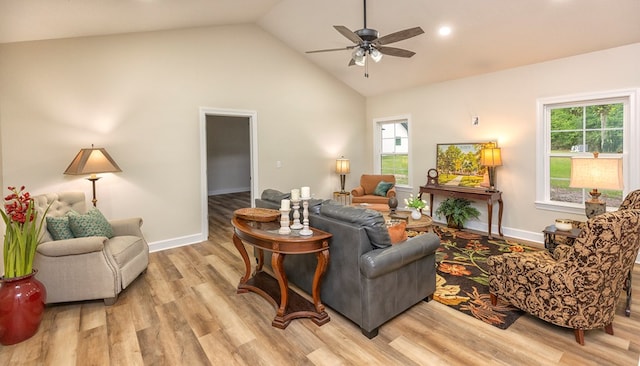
{"x": 184, "y": 311}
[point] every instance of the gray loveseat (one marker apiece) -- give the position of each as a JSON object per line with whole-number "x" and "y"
{"x": 366, "y": 284}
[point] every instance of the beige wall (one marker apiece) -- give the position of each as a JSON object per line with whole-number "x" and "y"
{"x": 138, "y": 95}
{"x": 506, "y": 104}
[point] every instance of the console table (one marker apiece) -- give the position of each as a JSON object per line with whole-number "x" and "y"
{"x": 289, "y": 304}
{"x": 475, "y": 194}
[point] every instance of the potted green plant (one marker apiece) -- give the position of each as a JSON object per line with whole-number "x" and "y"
{"x": 457, "y": 211}
{"x": 22, "y": 296}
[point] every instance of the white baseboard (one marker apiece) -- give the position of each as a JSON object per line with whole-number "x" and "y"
{"x": 228, "y": 191}
{"x": 176, "y": 242}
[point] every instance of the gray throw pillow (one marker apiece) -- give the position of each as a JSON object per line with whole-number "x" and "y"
{"x": 275, "y": 196}
{"x": 372, "y": 222}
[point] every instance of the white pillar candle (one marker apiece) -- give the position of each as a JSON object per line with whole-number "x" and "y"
{"x": 306, "y": 192}
{"x": 295, "y": 194}
{"x": 285, "y": 204}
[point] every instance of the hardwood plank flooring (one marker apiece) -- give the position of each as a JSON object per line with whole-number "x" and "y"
{"x": 185, "y": 311}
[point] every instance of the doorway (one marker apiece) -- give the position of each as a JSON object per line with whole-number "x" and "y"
{"x": 237, "y": 162}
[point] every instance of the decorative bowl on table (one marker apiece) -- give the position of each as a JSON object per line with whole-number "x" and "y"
{"x": 564, "y": 224}
{"x": 257, "y": 214}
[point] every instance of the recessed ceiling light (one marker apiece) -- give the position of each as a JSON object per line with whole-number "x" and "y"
{"x": 444, "y": 31}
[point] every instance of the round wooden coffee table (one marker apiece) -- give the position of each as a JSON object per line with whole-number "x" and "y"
{"x": 423, "y": 224}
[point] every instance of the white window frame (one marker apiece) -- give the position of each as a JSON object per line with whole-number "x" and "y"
{"x": 630, "y": 153}
{"x": 377, "y": 146}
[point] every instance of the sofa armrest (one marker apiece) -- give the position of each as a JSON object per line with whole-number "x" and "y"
{"x": 130, "y": 226}
{"x": 61, "y": 248}
{"x": 381, "y": 261}
{"x": 357, "y": 192}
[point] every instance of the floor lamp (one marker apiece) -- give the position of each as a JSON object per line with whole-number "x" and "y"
{"x": 92, "y": 161}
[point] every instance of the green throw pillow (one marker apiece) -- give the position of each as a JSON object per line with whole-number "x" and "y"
{"x": 93, "y": 223}
{"x": 382, "y": 188}
{"x": 59, "y": 228}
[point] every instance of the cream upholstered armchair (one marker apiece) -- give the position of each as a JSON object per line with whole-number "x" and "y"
{"x": 577, "y": 287}
{"x": 366, "y": 192}
{"x": 86, "y": 267}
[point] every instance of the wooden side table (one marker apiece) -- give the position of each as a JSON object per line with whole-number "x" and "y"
{"x": 550, "y": 234}
{"x": 289, "y": 304}
{"x": 342, "y": 197}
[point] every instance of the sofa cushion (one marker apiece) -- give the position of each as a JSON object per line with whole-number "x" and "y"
{"x": 275, "y": 196}
{"x": 125, "y": 248}
{"x": 372, "y": 221}
{"x": 382, "y": 188}
{"x": 59, "y": 228}
{"x": 93, "y": 223}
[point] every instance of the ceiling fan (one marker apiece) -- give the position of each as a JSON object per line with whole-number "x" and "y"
{"x": 367, "y": 43}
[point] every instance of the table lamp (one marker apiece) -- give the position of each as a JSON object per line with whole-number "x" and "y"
{"x": 596, "y": 173}
{"x": 491, "y": 157}
{"x": 92, "y": 161}
{"x": 342, "y": 168}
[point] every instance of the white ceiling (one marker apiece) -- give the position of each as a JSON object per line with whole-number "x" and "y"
{"x": 488, "y": 35}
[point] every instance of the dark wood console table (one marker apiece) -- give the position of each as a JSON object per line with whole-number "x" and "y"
{"x": 289, "y": 304}
{"x": 475, "y": 194}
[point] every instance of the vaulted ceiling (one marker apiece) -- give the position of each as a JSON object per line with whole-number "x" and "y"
{"x": 487, "y": 35}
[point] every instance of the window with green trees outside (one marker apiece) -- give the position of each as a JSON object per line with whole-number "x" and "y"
{"x": 579, "y": 129}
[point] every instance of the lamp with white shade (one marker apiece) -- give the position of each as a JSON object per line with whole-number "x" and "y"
{"x": 342, "y": 168}
{"x": 596, "y": 173}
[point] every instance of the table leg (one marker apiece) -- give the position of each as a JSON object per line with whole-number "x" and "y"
{"x": 247, "y": 264}
{"x": 277, "y": 260}
{"x": 321, "y": 267}
{"x": 500, "y": 207}
{"x": 627, "y": 310}
{"x": 490, "y": 213}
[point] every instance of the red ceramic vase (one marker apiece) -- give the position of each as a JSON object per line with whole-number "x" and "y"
{"x": 22, "y": 302}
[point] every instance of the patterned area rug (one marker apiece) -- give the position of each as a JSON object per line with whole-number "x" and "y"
{"x": 462, "y": 276}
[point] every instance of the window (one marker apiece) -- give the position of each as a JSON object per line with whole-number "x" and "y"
{"x": 392, "y": 146}
{"x": 579, "y": 126}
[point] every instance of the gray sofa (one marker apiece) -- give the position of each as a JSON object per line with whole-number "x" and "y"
{"x": 367, "y": 284}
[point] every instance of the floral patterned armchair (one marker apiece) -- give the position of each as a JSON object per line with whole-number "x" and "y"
{"x": 577, "y": 287}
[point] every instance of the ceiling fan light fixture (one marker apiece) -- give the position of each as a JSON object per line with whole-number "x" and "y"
{"x": 359, "y": 56}
{"x": 376, "y": 55}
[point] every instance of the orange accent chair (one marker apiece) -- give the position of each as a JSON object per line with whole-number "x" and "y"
{"x": 368, "y": 183}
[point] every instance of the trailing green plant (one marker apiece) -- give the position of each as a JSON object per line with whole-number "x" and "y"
{"x": 22, "y": 232}
{"x": 457, "y": 211}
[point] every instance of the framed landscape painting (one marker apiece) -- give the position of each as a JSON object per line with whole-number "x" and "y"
{"x": 459, "y": 164}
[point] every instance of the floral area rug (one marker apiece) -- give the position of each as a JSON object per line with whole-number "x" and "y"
{"x": 462, "y": 279}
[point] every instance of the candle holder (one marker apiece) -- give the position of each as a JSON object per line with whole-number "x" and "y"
{"x": 305, "y": 217}
{"x": 296, "y": 215}
{"x": 284, "y": 222}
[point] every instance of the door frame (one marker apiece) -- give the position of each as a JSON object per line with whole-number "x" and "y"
{"x": 253, "y": 153}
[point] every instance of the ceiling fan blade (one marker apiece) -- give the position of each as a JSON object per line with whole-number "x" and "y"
{"x": 332, "y": 49}
{"x": 348, "y": 34}
{"x": 399, "y": 36}
{"x": 398, "y": 52}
